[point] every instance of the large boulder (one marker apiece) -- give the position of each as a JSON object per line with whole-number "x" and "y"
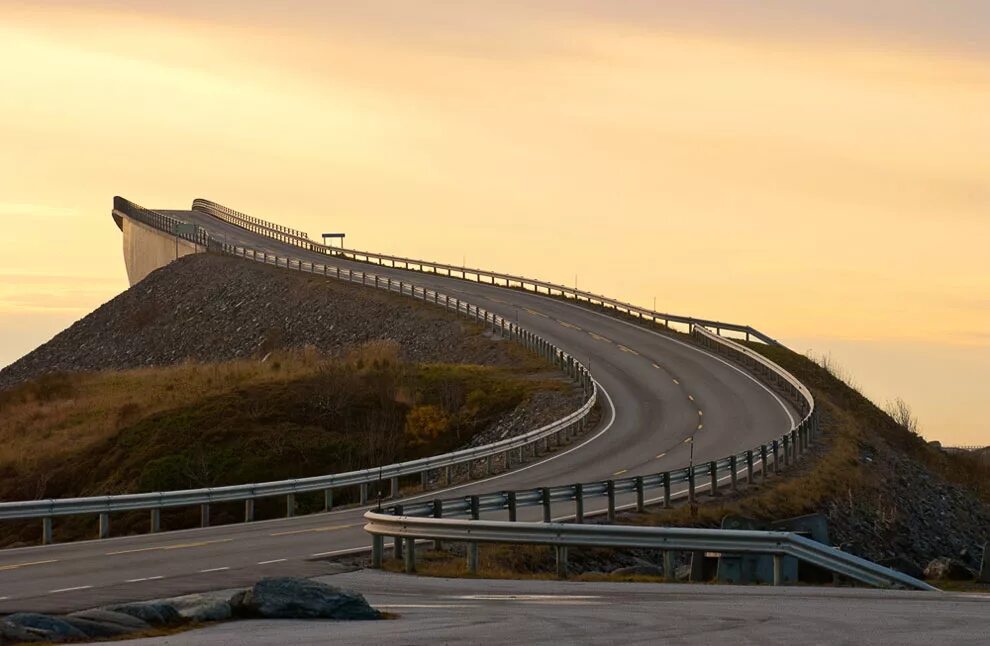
{"x": 947, "y": 569}
{"x": 156, "y": 613}
{"x": 41, "y": 627}
{"x": 97, "y": 629}
{"x": 201, "y": 607}
{"x": 120, "y": 619}
{"x": 296, "y": 598}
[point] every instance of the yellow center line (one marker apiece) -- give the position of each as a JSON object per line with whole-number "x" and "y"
{"x": 598, "y": 337}
{"x": 629, "y": 350}
{"x": 620, "y": 472}
{"x": 177, "y": 546}
{"x": 311, "y": 530}
{"x": 534, "y": 312}
{"x": 498, "y": 300}
{"x": 569, "y": 325}
{"x": 15, "y": 566}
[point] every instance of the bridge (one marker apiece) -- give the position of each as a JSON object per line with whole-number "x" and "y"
{"x": 662, "y": 396}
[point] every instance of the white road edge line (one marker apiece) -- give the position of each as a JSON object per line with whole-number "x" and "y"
{"x": 214, "y": 569}
{"x": 78, "y": 587}
{"x": 146, "y": 578}
{"x": 272, "y": 561}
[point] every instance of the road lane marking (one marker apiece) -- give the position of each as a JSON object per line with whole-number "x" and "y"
{"x": 526, "y": 597}
{"x": 78, "y": 587}
{"x": 177, "y": 546}
{"x": 656, "y": 366}
{"x": 599, "y": 337}
{"x": 534, "y": 312}
{"x": 428, "y": 605}
{"x": 688, "y": 439}
{"x": 272, "y": 561}
{"x": 569, "y": 325}
{"x": 620, "y": 472}
{"x": 328, "y": 528}
{"x": 660, "y": 455}
{"x": 146, "y": 578}
{"x": 15, "y": 566}
{"x": 677, "y": 382}
{"x": 691, "y": 397}
{"x": 700, "y": 413}
{"x": 629, "y": 350}
{"x": 349, "y": 550}
{"x": 701, "y": 426}
{"x": 214, "y": 569}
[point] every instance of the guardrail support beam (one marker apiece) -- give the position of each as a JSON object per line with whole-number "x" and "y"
{"x": 249, "y": 510}
{"x": 561, "y": 561}
{"x": 204, "y": 515}
{"x": 394, "y": 487}
{"x": 579, "y": 503}
{"x": 327, "y": 499}
{"x": 290, "y": 505}
{"x": 364, "y": 493}
{"x": 410, "y": 556}
{"x": 640, "y": 502}
{"x": 377, "y": 548}
{"x": 668, "y": 565}
{"x": 105, "y": 525}
{"x": 545, "y": 501}
{"x": 472, "y": 558}
{"x": 156, "y": 521}
{"x": 778, "y": 569}
{"x": 437, "y": 513}
{"x": 610, "y": 492}
{"x": 665, "y": 479}
{"x": 511, "y": 504}
{"x": 749, "y": 467}
{"x": 733, "y": 475}
{"x": 46, "y": 530}
{"x": 397, "y": 510}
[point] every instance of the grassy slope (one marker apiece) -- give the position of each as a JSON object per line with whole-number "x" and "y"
{"x": 197, "y": 425}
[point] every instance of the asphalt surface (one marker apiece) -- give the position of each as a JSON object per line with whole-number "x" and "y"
{"x": 657, "y": 391}
{"x": 469, "y": 611}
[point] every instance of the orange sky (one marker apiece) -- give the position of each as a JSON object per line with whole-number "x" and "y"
{"x": 823, "y": 181}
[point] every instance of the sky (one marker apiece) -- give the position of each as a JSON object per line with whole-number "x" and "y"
{"x": 817, "y": 170}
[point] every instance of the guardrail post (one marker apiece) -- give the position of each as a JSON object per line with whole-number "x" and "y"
{"x": 610, "y": 492}
{"x": 46, "y": 530}
{"x": 763, "y": 462}
{"x": 437, "y": 513}
{"x": 778, "y": 569}
{"x": 290, "y": 505}
{"x": 364, "y": 493}
{"x": 713, "y": 477}
{"x": 377, "y": 548}
{"x": 561, "y": 561}
{"x": 787, "y": 450}
{"x": 665, "y": 478}
{"x": 472, "y": 548}
{"x": 732, "y": 471}
{"x": 204, "y": 515}
{"x": 749, "y": 467}
{"x": 489, "y": 465}
{"x": 394, "y": 487}
{"x": 776, "y": 457}
{"x": 579, "y": 503}
{"x": 397, "y": 511}
{"x": 105, "y": 525}
{"x": 640, "y": 502}
{"x": 448, "y": 475}
{"x": 410, "y": 556}
{"x": 668, "y": 565}
{"x": 545, "y": 501}
{"x": 511, "y": 504}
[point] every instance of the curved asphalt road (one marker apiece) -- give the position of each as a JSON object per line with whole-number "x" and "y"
{"x": 657, "y": 392}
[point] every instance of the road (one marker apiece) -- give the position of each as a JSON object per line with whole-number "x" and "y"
{"x": 466, "y": 611}
{"x": 657, "y": 392}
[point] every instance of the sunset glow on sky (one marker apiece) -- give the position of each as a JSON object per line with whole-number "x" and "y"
{"x": 824, "y": 177}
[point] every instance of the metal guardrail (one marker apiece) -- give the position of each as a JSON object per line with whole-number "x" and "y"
{"x": 558, "y": 431}
{"x": 160, "y": 221}
{"x": 234, "y": 217}
{"x": 669, "y": 539}
{"x": 249, "y": 222}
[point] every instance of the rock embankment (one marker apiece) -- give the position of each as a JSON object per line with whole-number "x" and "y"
{"x": 212, "y": 308}
{"x": 272, "y": 598}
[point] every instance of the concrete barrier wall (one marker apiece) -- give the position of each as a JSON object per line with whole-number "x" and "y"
{"x": 147, "y": 249}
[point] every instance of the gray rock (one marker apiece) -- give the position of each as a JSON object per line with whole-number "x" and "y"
{"x": 46, "y": 627}
{"x": 121, "y": 619}
{"x": 97, "y": 629}
{"x": 9, "y": 633}
{"x": 201, "y": 607}
{"x": 296, "y": 598}
{"x": 156, "y": 613}
{"x": 639, "y": 570}
{"x": 947, "y": 569}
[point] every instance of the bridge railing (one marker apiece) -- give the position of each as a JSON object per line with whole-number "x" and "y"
{"x": 561, "y": 536}
{"x": 160, "y": 221}
{"x": 485, "y": 276}
{"x": 249, "y": 222}
{"x": 556, "y": 433}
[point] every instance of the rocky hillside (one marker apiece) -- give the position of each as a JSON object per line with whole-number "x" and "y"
{"x": 213, "y": 308}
